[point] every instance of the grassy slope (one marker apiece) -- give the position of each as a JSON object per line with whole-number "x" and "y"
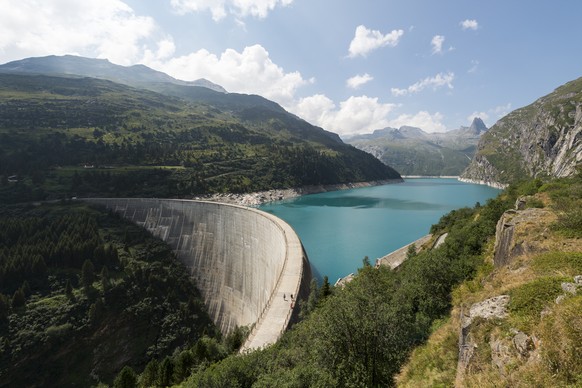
{"x": 533, "y": 281}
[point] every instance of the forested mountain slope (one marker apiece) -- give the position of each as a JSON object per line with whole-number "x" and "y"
{"x": 543, "y": 139}
{"x": 84, "y": 293}
{"x": 67, "y": 136}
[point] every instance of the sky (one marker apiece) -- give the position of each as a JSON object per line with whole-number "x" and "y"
{"x": 348, "y": 66}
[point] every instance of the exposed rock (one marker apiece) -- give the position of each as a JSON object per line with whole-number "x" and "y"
{"x": 521, "y": 202}
{"x": 511, "y": 225}
{"x": 578, "y": 279}
{"x": 523, "y": 343}
{"x": 501, "y": 354}
{"x": 260, "y": 197}
{"x": 569, "y": 287}
{"x": 540, "y": 140}
{"x": 495, "y": 307}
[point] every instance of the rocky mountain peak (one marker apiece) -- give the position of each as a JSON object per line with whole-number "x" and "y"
{"x": 477, "y": 126}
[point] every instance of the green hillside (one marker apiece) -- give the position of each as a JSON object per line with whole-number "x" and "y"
{"x": 84, "y": 293}
{"x": 72, "y": 136}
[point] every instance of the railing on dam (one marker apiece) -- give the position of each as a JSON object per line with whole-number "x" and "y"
{"x": 243, "y": 260}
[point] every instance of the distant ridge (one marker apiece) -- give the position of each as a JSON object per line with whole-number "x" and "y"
{"x": 136, "y": 75}
{"x": 414, "y": 152}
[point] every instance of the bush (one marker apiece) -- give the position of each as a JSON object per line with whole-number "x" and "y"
{"x": 528, "y": 301}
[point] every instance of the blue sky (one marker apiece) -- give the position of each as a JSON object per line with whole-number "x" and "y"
{"x": 347, "y": 66}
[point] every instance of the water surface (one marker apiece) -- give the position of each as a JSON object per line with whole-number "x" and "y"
{"x": 340, "y": 228}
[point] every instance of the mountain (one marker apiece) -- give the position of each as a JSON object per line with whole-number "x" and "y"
{"x": 137, "y": 75}
{"x": 541, "y": 140}
{"x": 73, "y": 135}
{"x": 411, "y": 151}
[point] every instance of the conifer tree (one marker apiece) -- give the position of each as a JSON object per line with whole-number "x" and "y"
{"x": 105, "y": 280}
{"x": 149, "y": 377}
{"x": 18, "y": 299}
{"x": 126, "y": 378}
{"x": 87, "y": 275}
{"x": 166, "y": 372}
{"x": 4, "y": 307}
{"x": 69, "y": 290}
{"x": 325, "y": 289}
{"x": 26, "y": 288}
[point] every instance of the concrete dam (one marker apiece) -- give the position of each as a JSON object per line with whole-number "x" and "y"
{"x": 244, "y": 261}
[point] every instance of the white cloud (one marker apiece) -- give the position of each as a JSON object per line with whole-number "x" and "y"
{"x": 97, "y": 28}
{"x": 474, "y": 66}
{"x": 166, "y": 48}
{"x": 469, "y": 24}
{"x": 422, "y": 119}
{"x": 358, "y": 80}
{"x": 250, "y": 71}
{"x": 357, "y": 114}
{"x": 482, "y": 115}
{"x": 501, "y": 110}
{"x": 366, "y": 40}
{"x": 494, "y": 113}
{"x": 220, "y": 8}
{"x": 437, "y": 44}
{"x": 439, "y": 80}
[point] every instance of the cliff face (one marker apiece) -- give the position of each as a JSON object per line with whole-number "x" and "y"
{"x": 543, "y": 139}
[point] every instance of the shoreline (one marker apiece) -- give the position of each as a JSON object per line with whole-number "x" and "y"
{"x": 260, "y": 197}
{"x": 495, "y": 185}
{"x": 430, "y": 176}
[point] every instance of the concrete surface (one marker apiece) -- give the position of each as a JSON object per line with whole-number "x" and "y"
{"x": 243, "y": 260}
{"x": 394, "y": 259}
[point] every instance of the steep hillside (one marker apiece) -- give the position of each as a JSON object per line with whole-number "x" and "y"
{"x": 66, "y": 136}
{"x": 541, "y": 140}
{"x": 84, "y": 293}
{"x": 518, "y": 323}
{"x": 411, "y": 151}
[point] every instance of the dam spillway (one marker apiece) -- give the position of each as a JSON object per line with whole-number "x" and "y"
{"x": 243, "y": 260}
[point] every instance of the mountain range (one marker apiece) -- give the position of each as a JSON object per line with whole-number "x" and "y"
{"x": 136, "y": 75}
{"x": 79, "y": 126}
{"x": 412, "y": 151}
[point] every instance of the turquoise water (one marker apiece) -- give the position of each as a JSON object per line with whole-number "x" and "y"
{"x": 338, "y": 229}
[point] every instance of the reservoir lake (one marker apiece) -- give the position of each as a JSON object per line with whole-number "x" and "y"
{"x": 338, "y": 229}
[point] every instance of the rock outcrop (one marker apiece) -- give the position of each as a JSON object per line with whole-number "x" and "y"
{"x": 514, "y": 226}
{"x": 543, "y": 139}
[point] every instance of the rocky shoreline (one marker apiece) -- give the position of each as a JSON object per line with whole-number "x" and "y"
{"x": 260, "y": 197}
{"x": 495, "y": 185}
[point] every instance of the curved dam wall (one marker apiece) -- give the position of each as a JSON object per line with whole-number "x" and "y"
{"x": 243, "y": 260}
